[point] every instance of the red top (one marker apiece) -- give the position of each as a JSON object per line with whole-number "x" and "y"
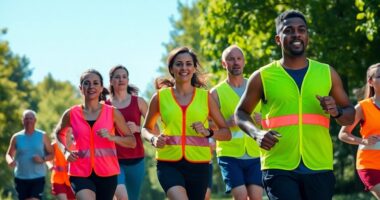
{"x": 131, "y": 113}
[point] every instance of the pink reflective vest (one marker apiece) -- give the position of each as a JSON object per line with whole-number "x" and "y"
{"x": 94, "y": 152}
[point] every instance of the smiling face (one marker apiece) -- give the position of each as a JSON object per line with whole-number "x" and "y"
{"x": 183, "y": 67}
{"x": 91, "y": 86}
{"x": 293, "y": 37}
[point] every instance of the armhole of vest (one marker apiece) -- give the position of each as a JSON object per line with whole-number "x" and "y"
{"x": 330, "y": 77}
{"x": 263, "y": 98}
{"x": 361, "y": 103}
{"x": 208, "y": 103}
{"x": 158, "y": 101}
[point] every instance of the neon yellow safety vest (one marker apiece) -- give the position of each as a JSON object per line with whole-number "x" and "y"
{"x": 240, "y": 142}
{"x": 181, "y": 138}
{"x": 298, "y": 117}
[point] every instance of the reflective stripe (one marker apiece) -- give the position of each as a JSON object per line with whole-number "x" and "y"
{"x": 190, "y": 140}
{"x": 237, "y": 134}
{"x": 288, "y": 120}
{"x": 370, "y": 147}
{"x": 60, "y": 168}
{"x": 105, "y": 152}
{"x": 83, "y": 153}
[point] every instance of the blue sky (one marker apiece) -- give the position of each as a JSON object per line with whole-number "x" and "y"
{"x": 65, "y": 38}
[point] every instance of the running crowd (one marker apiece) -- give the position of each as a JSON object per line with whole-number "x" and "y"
{"x": 270, "y": 132}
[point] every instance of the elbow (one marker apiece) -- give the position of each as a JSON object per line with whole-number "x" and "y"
{"x": 227, "y": 135}
{"x": 133, "y": 143}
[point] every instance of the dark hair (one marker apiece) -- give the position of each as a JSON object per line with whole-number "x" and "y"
{"x": 369, "y": 90}
{"x": 197, "y": 80}
{"x": 130, "y": 88}
{"x": 105, "y": 92}
{"x": 286, "y": 15}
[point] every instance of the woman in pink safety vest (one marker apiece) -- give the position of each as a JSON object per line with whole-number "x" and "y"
{"x": 93, "y": 165}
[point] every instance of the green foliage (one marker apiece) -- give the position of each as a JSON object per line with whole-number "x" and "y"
{"x": 336, "y": 37}
{"x": 17, "y": 93}
{"x": 368, "y": 17}
{"x": 14, "y": 94}
{"x": 53, "y": 98}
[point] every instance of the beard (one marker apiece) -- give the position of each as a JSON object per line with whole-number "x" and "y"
{"x": 235, "y": 72}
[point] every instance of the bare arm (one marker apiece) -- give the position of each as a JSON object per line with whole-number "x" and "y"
{"x": 149, "y": 130}
{"x": 247, "y": 104}
{"x": 11, "y": 152}
{"x": 128, "y": 139}
{"x": 346, "y": 135}
{"x": 60, "y": 131}
{"x": 48, "y": 149}
{"x": 223, "y": 132}
{"x": 337, "y": 104}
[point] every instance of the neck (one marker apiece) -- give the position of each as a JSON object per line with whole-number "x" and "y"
{"x": 91, "y": 106}
{"x": 294, "y": 62}
{"x": 29, "y": 130}
{"x": 183, "y": 89}
{"x": 235, "y": 81}
{"x": 120, "y": 95}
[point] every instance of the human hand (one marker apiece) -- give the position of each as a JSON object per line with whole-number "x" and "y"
{"x": 12, "y": 164}
{"x": 38, "y": 159}
{"x": 328, "y": 105}
{"x": 267, "y": 139}
{"x": 71, "y": 156}
{"x": 371, "y": 140}
{"x": 159, "y": 141}
{"x": 104, "y": 133}
{"x": 133, "y": 127}
{"x": 200, "y": 128}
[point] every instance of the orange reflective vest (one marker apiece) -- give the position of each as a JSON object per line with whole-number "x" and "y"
{"x": 181, "y": 139}
{"x": 94, "y": 152}
{"x": 240, "y": 143}
{"x": 297, "y": 115}
{"x": 59, "y": 172}
{"x": 368, "y": 156}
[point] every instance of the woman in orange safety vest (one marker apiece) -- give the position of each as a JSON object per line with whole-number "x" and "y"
{"x": 368, "y": 115}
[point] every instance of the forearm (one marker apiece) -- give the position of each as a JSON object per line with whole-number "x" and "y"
{"x": 347, "y": 116}
{"x": 246, "y": 123}
{"x": 350, "y": 139}
{"x": 125, "y": 141}
{"x": 48, "y": 157}
{"x": 9, "y": 159}
{"x": 222, "y": 134}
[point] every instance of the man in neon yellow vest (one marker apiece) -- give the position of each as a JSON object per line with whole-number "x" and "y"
{"x": 298, "y": 97}
{"x": 238, "y": 158}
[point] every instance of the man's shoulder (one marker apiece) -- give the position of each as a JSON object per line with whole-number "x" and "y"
{"x": 317, "y": 63}
{"x": 269, "y": 65}
{"x": 221, "y": 83}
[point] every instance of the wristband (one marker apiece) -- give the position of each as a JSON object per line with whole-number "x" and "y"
{"x": 152, "y": 140}
{"x": 211, "y": 133}
{"x": 340, "y": 113}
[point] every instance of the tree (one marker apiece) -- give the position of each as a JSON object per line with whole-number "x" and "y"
{"x": 336, "y": 37}
{"x": 53, "y": 98}
{"x": 15, "y": 87}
